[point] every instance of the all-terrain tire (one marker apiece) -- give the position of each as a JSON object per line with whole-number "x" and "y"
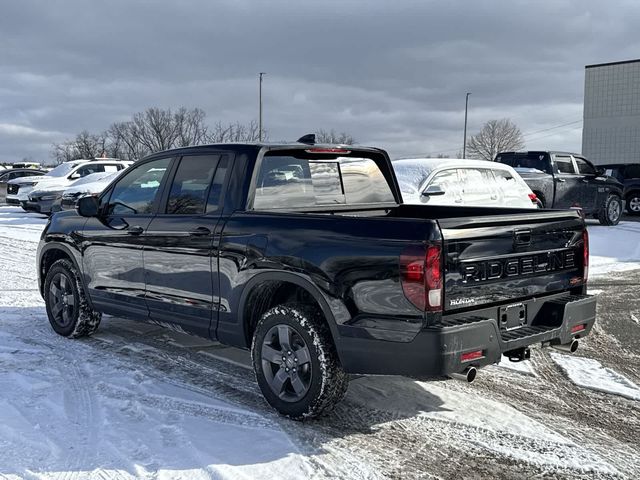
{"x": 327, "y": 382}
{"x": 611, "y": 210}
{"x": 633, "y": 203}
{"x": 69, "y": 312}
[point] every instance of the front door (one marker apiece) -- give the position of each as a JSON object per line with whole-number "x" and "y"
{"x": 113, "y": 260}
{"x": 181, "y": 266}
{"x": 590, "y": 183}
{"x": 567, "y": 182}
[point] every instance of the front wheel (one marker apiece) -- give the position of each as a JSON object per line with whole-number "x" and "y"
{"x": 67, "y": 308}
{"x": 633, "y": 203}
{"x": 611, "y": 210}
{"x": 296, "y": 363}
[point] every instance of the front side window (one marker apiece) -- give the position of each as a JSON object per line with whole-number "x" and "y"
{"x": 190, "y": 185}
{"x": 448, "y": 182}
{"x": 564, "y": 165}
{"x": 584, "y": 167}
{"x": 136, "y": 192}
{"x": 298, "y": 181}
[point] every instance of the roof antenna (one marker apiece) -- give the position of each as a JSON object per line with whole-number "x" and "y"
{"x": 309, "y": 139}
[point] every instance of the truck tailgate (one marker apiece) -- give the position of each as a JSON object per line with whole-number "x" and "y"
{"x": 503, "y": 258}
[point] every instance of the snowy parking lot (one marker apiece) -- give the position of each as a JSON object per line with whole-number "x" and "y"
{"x": 137, "y": 401}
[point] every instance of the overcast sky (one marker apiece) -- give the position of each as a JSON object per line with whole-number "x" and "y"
{"x": 391, "y": 73}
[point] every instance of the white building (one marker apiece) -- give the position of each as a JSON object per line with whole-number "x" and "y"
{"x": 611, "y": 130}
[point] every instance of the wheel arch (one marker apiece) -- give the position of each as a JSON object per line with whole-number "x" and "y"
{"x": 266, "y": 290}
{"x": 50, "y": 254}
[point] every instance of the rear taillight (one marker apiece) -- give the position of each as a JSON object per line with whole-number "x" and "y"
{"x": 421, "y": 277}
{"x": 533, "y": 197}
{"x": 585, "y": 255}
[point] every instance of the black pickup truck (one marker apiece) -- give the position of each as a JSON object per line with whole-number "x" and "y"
{"x": 306, "y": 255}
{"x": 565, "y": 180}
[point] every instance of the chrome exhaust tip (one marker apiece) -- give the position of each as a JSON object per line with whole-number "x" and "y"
{"x": 570, "y": 347}
{"x": 468, "y": 375}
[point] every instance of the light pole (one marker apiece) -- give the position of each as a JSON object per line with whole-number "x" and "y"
{"x": 466, "y": 108}
{"x": 260, "y": 106}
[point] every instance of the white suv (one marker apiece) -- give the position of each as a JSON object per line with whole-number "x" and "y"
{"x": 449, "y": 181}
{"x": 62, "y": 176}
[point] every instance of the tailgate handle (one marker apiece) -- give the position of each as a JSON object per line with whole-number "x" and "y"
{"x": 522, "y": 238}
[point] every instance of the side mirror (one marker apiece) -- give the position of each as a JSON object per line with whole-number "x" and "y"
{"x": 74, "y": 176}
{"x": 87, "y": 206}
{"x": 433, "y": 190}
{"x": 600, "y": 172}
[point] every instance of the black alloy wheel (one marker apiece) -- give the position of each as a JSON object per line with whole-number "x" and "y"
{"x": 286, "y": 363}
{"x": 62, "y": 298}
{"x": 633, "y": 204}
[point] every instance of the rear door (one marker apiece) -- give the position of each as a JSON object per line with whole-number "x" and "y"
{"x": 510, "y": 257}
{"x": 478, "y": 187}
{"x": 181, "y": 268}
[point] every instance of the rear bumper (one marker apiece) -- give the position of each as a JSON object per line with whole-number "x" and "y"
{"x": 437, "y": 351}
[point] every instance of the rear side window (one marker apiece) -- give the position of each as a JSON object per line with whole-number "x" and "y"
{"x": 190, "y": 186}
{"x": 536, "y": 160}
{"x": 564, "y": 164}
{"x": 289, "y": 181}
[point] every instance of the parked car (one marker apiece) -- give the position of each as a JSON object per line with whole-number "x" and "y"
{"x": 306, "y": 255}
{"x": 566, "y": 180}
{"x": 629, "y": 176}
{"x": 12, "y": 174}
{"x": 92, "y": 184}
{"x": 50, "y": 186}
{"x": 446, "y": 181}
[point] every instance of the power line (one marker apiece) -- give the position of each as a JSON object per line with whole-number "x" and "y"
{"x": 528, "y": 134}
{"x": 551, "y": 128}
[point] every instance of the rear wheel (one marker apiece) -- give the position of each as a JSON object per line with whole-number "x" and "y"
{"x": 295, "y": 362}
{"x": 633, "y": 203}
{"x": 611, "y": 210}
{"x": 67, "y": 308}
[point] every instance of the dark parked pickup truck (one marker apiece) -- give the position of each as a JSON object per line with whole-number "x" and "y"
{"x": 306, "y": 255}
{"x": 565, "y": 180}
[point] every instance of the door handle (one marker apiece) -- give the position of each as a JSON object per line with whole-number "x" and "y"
{"x": 200, "y": 232}
{"x": 561, "y": 180}
{"x": 135, "y": 230}
{"x": 584, "y": 180}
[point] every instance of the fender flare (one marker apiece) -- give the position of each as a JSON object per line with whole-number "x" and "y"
{"x": 72, "y": 256}
{"x": 297, "y": 279}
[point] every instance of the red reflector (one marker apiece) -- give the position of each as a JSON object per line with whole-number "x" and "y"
{"x": 328, "y": 150}
{"x": 467, "y": 357}
{"x": 533, "y": 197}
{"x": 578, "y": 328}
{"x": 585, "y": 255}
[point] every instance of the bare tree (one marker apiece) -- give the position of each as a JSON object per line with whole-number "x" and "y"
{"x": 340, "y": 138}
{"x": 496, "y": 136}
{"x": 151, "y": 131}
{"x": 235, "y": 132}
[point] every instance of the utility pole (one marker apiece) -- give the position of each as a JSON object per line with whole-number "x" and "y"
{"x": 260, "y": 107}
{"x": 466, "y": 108}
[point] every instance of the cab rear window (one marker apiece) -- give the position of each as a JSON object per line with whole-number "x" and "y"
{"x": 298, "y": 181}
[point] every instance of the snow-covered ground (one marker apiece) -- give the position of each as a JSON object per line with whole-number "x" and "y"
{"x": 613, "y": 249}
{"x": 136, "y": 401}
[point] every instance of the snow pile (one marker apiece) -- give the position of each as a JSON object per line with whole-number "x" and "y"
{"x": 589, "y": 373}
{"x": 614, "y": 249}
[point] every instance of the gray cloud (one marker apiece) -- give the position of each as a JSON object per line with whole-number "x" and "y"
{"x": 392, "y": 74}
